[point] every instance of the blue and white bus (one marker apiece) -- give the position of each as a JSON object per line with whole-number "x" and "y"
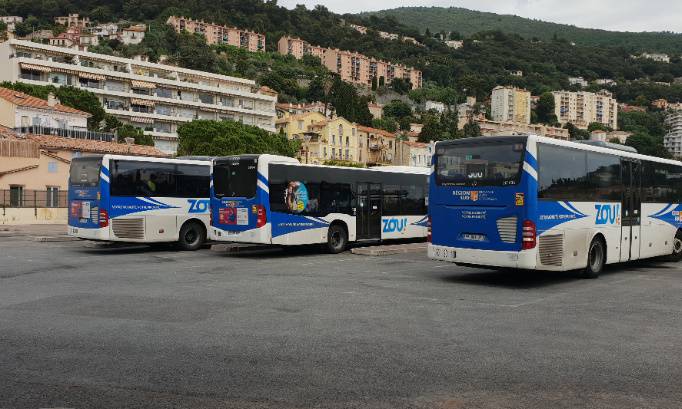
{"x": 139, "y": 200}
{"x": 271, "y": 199}
{"x": 530, "y": 202}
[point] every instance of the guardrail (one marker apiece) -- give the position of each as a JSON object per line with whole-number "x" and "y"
{"x": 33, "y": 199}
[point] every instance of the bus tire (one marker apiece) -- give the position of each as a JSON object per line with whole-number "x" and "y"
{"x": 677, "y": 247}
{"x": 192, "y": 236}
{"x": 596, "y": 259}
{"x": 337, "y": 239}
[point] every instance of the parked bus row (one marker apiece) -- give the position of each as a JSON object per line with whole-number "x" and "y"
{"x": 523, "y": 202}
{"x": 263, "y": 199}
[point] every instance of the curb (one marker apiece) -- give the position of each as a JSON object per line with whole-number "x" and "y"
{"x": 388, "y": 250}
{"x": 238, "y": 248}
{"x": 54, "y": 239}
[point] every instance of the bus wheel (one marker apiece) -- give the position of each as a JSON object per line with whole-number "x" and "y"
{"x": 596, "y": 258}
{"x": 337, "y": 239}
{"x": 192, "y": 236}
{"x": 677, "y": 247}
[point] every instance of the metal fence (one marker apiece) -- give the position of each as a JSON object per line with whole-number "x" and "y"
{"x": 32, "y": 199}
{"x": 65, "y": 133}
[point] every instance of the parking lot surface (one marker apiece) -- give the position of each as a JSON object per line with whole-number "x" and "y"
{"x": 84, "y": 327}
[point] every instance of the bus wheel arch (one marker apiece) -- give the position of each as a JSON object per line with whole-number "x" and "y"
{"x": 596, "y": 257}
{"x": 192, "y": 235}
{"x": 337, "y": 237}
{"x": 677, "y": 246}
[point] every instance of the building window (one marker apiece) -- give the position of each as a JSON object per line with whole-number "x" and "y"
{"x": 340, "y": 130}
{"x": 300, "y": 125}
{"x": 333, "y": 153}
{"x": 347, "y": 141}
{"x": 164, "y": 93}
{"x": 324, "y": 151}
{"x": 16, "y": 196}
{"x": 52, "y": 167}
{"x": 52, "y": 198}
{"x": 333, "y": 139}
{"x": 353, "y": 131}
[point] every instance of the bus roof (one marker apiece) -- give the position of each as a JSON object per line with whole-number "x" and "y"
{"x": 158, "y": 160}
{"x": 568, "y": 144}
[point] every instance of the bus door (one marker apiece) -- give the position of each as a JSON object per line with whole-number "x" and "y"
{"x": 368, "y": 213}
{"x": 631, "y": 214}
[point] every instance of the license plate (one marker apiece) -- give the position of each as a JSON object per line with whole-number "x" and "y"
{"x": 232, "y": 233}
{"x": 444, "y": 253}
{"x": 473, "y": 237}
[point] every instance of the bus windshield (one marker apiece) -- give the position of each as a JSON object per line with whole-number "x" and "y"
{"x": 495, "y": 163}
{"x": 84, "y": 172}
{"x": 235, "y": 177}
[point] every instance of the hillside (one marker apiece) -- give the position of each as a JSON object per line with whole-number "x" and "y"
{"x": 468, "y": 22}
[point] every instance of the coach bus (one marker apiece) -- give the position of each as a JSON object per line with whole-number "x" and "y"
{"x": 530, "y": 202}
{"x": 272, "y": 199}
{"x": 139, "y": 199}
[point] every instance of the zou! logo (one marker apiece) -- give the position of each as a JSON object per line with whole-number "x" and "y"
{"x": 395, "y": 225}
{"x": 608, "y": 214}
{"x": 198, "y": 206}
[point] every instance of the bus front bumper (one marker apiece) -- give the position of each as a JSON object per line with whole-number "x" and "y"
{"x": 89, "y": 233}
{"x": 509, "y": 259}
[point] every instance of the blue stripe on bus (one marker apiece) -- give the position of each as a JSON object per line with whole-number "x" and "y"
{"x": 284, "y": 223}
{"x": 572, "y": 208}
{"x": 262, "y": 178}
{"x": 665, "y": 209}
{"x": 670, "y": 215}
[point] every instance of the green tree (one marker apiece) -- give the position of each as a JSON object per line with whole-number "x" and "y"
{"x": 129, "y": 131}
{"x": 217, "y": 138}
{"x": 397, "y": 109}
{"x": 545, "y": 109}
{"x": 598, "y": 126}
{"x": 388, "y": 124}
{"x": 576, "y": 133}
{"x": 471, "y": 129}
{"x": 348, "y": 104}
{"x": 431, "y": 130}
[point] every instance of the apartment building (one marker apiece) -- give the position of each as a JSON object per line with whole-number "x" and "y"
{"x": 156, "y": 98}
{"x": 133, "y": 35}
{"x": 72, "y": 20}
{"x": 496, "y": 128}
{"x": 582, "y": 108}
{"x": 580, "y": 81}
{"x": 377, "y": 146}
{"x": 673, "y": 139}
{"x": 510, "y": 104}
{"x": 409, "y": 153}
{"x": 217, "y": 34}
{"x": 20, "y": 111}
{"x": 11, "y": 22}
{"x": 456, "y": 44}
{"x": 286, "y": 109}
{"x": 351, "y": 66}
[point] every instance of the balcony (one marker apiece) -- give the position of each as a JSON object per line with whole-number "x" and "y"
{"x": 65, "y": 133}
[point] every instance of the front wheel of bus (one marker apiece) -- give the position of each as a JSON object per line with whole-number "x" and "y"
{"x": 337, "y": 239}
{"x": 677, "y": 247}
{"x": 596, "y": 258}
{"x": 192, "y": 236}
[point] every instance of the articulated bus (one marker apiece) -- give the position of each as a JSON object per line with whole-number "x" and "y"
{"x": 139, "y": 200}
{"x": 271, "y": 199}
{"x": 530, "y": 202}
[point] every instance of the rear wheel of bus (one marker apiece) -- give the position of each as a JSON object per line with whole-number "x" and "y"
{"x": 192, "y": 236}
{"x": 596, "y": 258}
{"x": 677, "y": 247}
{"x": 337, "y": 239}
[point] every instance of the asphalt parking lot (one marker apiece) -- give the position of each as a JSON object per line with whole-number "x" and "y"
{"x": 86, "y": 327}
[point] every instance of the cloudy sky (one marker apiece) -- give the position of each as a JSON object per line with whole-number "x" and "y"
{"x": 621, "y": 15}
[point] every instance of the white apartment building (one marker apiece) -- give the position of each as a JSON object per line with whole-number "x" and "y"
{"x": 154, "y": 97}
{"x": 578, "y": 81}
{"x": 11, "y": 22}
{"x": 673, "y": 139}
{"x": 510, "y": 104}
{"x": 582, "y": 108}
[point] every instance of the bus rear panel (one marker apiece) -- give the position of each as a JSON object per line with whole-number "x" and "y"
{"x": 480, "y": 209}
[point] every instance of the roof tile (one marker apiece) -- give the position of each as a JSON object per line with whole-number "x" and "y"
{"x": 25, "y": 100}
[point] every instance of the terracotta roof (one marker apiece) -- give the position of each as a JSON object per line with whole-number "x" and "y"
{"x": 415, "y": 144}
{"x": 25, "y": 100}
{"x": 85, "y": 145}
{"x": 7, "y": 133}
{"x": 376, "y": 131}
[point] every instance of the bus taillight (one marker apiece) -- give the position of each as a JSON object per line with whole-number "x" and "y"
{"x": 428, "y": 229}
{"x": 529, "y": 235}
{"x": 103, "y": 218}
{"x": 261, "y": 216}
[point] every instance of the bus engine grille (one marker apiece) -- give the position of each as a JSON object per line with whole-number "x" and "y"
{"x": 128, "y": 228}
{"x": 552, "y": 250}
{"x": 507, "y": 228}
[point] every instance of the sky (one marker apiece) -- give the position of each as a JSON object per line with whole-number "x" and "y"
{"x": 619, "y": 15}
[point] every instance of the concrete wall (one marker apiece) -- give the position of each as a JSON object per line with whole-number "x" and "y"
{"x": 14, "y": 216}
